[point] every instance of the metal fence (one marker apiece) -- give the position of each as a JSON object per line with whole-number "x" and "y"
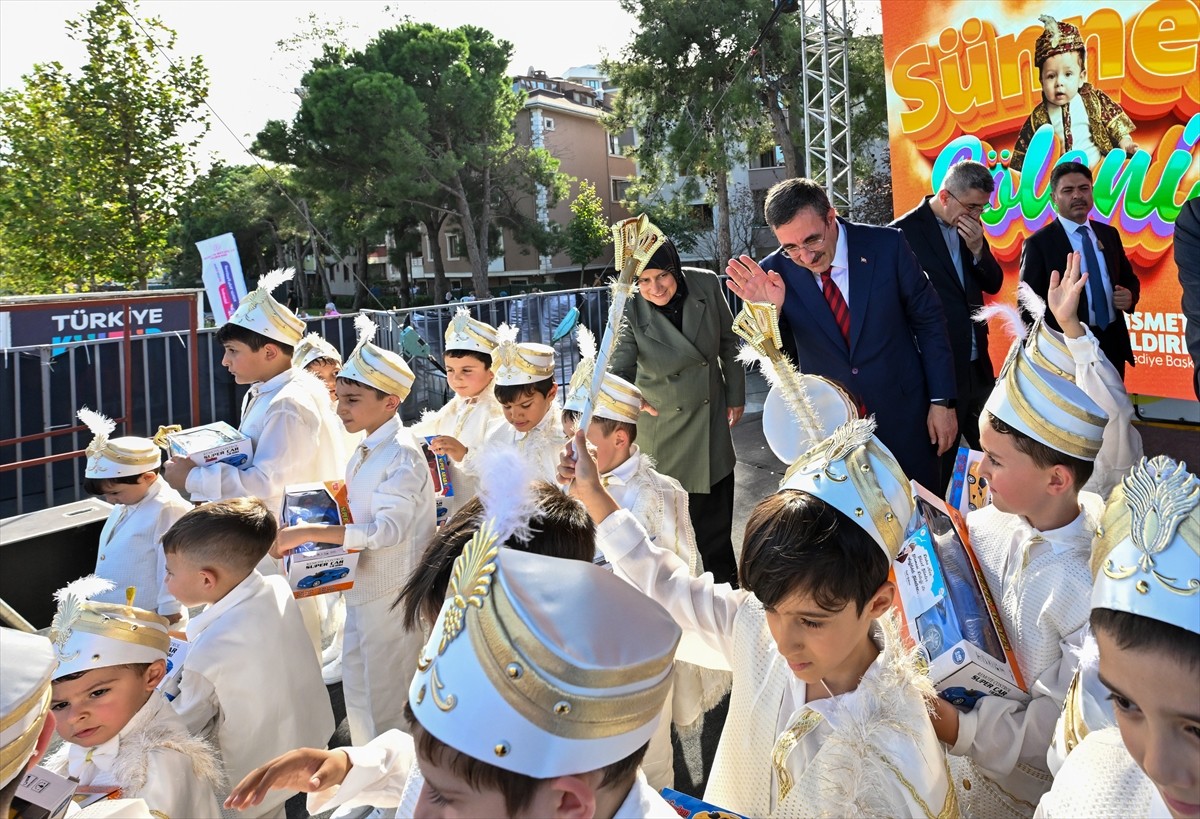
{"x": 43, "y": 387}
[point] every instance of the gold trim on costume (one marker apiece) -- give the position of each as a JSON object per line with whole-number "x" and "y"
{"x": 509, "y": 356}
{"x": 1074, "y": 726}
{"x": 16, "y": 753}
{"x": 96, "y": 623}
{"x": 551, "y": 708}
{"x": 377, "y": 376}
{"x": 1041, "y": 334}
{"x": 26, "y": 705}
{"x": 463, "y": 325}
{"x": 1070, "y": 443}
{"x": 787, "y": 742}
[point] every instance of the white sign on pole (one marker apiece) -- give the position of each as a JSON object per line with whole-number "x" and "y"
{"x": 224, "y": 283}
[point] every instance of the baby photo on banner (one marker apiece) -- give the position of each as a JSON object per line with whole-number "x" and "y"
{"x": 1025, "y": 86}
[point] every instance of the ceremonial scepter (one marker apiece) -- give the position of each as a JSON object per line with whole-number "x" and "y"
{"x": 634, "y": 243}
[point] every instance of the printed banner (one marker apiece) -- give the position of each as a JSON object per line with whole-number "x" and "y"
{"x": 59, "y": 322}
{"x": 963, "y": 82}
{"x": 222, "y": 273}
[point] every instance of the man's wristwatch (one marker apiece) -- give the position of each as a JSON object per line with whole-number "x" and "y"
{"x": 948, "y": 403}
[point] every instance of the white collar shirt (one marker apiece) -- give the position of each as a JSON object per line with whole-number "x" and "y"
{"x": 839, "y": 269}
{"x": 1072, "y": 229}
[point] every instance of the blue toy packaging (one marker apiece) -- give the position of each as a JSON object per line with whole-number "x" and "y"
{"x": 945, "y": 605}
{"x": 318, "y": 568}
{"x": 212, "y": 443}
{"x": 689, "y": 807}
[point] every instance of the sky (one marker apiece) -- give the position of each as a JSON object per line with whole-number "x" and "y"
{"x": 253, "y": 81}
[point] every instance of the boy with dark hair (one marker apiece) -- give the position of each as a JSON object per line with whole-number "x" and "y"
{"x": 473, "y": 414}
{"x": 125, "y": 472}
{"x": 1084, "y": 118}
{"x": 532, "y": 698}
{"x": 390, "y": 492}
{"x": 828, "y": 713}
{"x": 119, "y": 732}
{"x": 286, "y": 413}
{"x": 1040, "y": 435}
{"x": 527, "y": 393}
{"x": 1146, "y": 562}
{"x": 249, "y": 633}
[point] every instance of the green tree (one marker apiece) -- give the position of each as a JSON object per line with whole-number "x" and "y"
{"x": 119, "y": 138}
{"x": 422, "y": 117}
{"x": 587, "y": 234}
{"x": 684, "y": 90}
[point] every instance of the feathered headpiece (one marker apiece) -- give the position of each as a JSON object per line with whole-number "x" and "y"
{"x": 260, "y": 312}
{"x": 71, "y": 599}
{"x": 515, "y": 363}
{"x": 101, "y": 427}
{"x": 374, "y": 366}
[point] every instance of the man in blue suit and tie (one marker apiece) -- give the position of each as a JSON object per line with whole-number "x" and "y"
{"x": 860, "y": 311}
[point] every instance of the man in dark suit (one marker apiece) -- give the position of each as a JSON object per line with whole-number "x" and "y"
{"x": 860, "y": 311}
{"x": 1112, "y": 288}
{"x": 946, "y": 234}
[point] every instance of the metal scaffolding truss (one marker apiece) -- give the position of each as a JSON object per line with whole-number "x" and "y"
{"x": 825, "y": 63}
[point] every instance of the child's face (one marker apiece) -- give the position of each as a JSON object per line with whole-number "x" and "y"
{"x": 570, "y": 424}
{"x": 529, "y": 409}
{"x": 186, "y": 580}
{"x": 127, "y": 493}
{"x": 819, "y": 644}
{"x": 1154, "y": 699}
{"x": 92, "y": 709}
{"x": 249, "y": 366}
{"x": 446, "y": 795}
{"x": 1019, "y": 486}
{"x": 362, "y": 409}
{"x": 327, "y": 370}
{"x": 466, "y": 375}
{"x": 1061, "y": 77}
{"x": 611, "y": 450}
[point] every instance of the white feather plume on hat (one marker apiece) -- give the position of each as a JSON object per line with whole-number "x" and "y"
{"x": 101, "y": 427}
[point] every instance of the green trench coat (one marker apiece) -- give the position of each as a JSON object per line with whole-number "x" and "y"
{"x": 690, "y": 378}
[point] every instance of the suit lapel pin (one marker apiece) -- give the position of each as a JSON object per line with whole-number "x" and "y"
{"x": 862, "y": 259}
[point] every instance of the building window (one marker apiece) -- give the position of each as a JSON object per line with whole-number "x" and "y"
{"x": 593, "y": 84}
{"x": 702, "y": 215}
{"x": 548, "y": 123}
{"x": 620, "y": 189}
{"x": 614, "y": 144}
{"x": 454, "y": 246}
{"x": 770, "y": 159}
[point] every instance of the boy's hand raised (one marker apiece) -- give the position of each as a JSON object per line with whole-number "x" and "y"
{"x": 1063, "y": 295}
{"x": 305, "y": 769}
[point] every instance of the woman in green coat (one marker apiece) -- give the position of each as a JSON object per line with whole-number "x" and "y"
{"x": 677, "y": 344}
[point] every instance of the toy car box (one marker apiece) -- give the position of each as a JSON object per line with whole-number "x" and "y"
{"x": 689, "y": 807}
{"x": 169, "y": 684}
{"x": 945, "y": 606}
{"x": 968, "y": 489}
{"x": 439, "y": 470}
{"x": 318, "y": 568}
{"x": 212, "y": 443}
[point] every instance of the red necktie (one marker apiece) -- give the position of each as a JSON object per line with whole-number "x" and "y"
{"x": 841, "y": 312}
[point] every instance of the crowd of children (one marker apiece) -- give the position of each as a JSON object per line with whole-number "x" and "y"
{"x": 528, "y": 656}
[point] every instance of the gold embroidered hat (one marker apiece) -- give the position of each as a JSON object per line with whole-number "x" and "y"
{"x": 1146, "y": 553}
{"x": 1046, "y": 407}
{"x": 1057, "y": 38}
{"x": 26, "y": 668}
{"x": 810, "y": 423}
{"x": 618, "y": 400}
{"x": 516, "y": 364}
{"x": 465, "y": 333}
{"x": 542, "y": 666}
{"x": 374, "y": 366}
{"x": 260, "y": 312}
{"x": 89, "y": 635}
{"x": 311, "y": 348}
{"x": 109, "y": 458}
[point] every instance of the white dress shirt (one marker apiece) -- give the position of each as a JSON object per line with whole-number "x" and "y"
{"x": 839, "y": 270}
{"x": 1081, "y": 130}
{"x": 540, "y": 446}
{"x": 392, "y": 506}
{"x": 131, "y": 552}
{"x": 251, "y": 683}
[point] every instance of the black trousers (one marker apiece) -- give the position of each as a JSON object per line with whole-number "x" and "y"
{"x": 712, "y": 519}
{"x": 971, "y": 398}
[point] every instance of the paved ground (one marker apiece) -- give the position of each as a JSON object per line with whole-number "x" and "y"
{"x": 758, "y": 473}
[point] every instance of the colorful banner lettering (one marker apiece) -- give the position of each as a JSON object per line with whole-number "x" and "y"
{"x": 963, "y": 82}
